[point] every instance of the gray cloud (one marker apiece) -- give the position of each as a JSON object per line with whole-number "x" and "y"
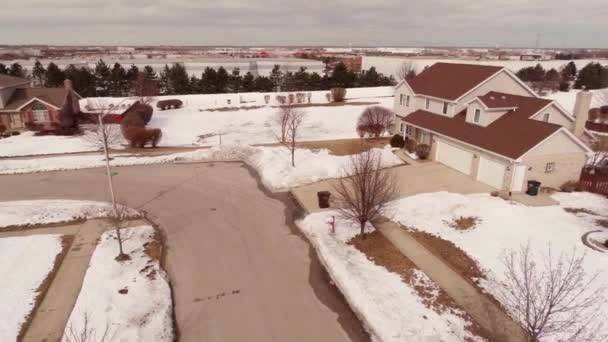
{"x": 313, "y": 22}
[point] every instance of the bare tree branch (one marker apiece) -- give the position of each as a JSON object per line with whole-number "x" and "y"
{"x": 85, "y": 333}
{"x": 364, "y": 194}
{"x": 406, "y": 71}
{"x": 289, "y": 121}
{"x": 554, "y": 298}
{"x": 375, "y": 121}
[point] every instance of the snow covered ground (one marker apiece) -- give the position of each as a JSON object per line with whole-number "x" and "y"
{"x": 505, "y": 226}
{"x": 25, "y": 262}
{"x": 131, "y": 299}
{"x": 184, "y": 126}
{"x": 34, "y": 212}
{"x": 272, "y": 163}
{"x": 567, "y": 99}
{"x": 390, "y": 309}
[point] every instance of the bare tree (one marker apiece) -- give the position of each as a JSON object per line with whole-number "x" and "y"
{"x": 85, "y": 333}
{"x": 101, "y": 135}
{"x": 289, "y": 120}
{"x": 363, "y": 195}
{"x": 118, "y": 220}
{"x": 406, "y": 71}
{"x": 375, "y": 121}
{"x": 145, "y": 88}
{"x": 554, "y": 298}
{"x": 600, "y": 147}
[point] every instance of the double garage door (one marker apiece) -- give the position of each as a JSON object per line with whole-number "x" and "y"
{"x": 489, "y": 171}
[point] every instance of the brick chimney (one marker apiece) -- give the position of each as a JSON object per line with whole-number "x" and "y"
{"x": 581, "y": 111}
{"x": 67, "y": 84}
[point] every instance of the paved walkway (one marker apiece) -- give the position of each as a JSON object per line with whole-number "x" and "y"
{"x": 483, "y": 311}
{"x": 50, "y": 318}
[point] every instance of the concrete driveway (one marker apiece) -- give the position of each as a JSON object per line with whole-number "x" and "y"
{"x": 240, "y": 270}
{"x": 413, "y": 179}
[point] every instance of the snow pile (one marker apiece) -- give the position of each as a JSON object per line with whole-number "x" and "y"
{"x": 272, "y": 163}
{"x": 23, "y": 213}
{"x": 27, "y": 144}
{"x": 25, "y": 262}
{"x": 390, "y": 309}
{"x": 505, "y": 226}
{"x": 142, "y": 312}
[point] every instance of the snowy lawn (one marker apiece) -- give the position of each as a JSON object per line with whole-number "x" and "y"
{"x": 503, "y": 227}
{"x": 25, "y": 213}
{"x": 272, "y": 163}
{"x": 390, "y": 309}
{"x": 25, "y": 263}
{"x": 567, "y": 99}
{"x": 130, "y": 300}
{"x": 26, "y": 144}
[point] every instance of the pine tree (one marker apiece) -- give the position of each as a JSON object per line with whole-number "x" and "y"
{"x": 39, "y": 74}
{"x": 150, "y": 73}
{"x": 248, "y": 83}
{"x": 179, "y": 79}
{"x": 222, "y": 81}
{"x": 54, "y": 76}
{"x": 276, "y": 76}
{"x": 370, "y": 78}
{"x": 209, "y": 81}
{"x": 263, "y": 84}
{"x": 16, "y": 70}
{"x": 235, "y": 81}
{"x": 132, "y": 73}
{"x": 119, "y": 82}
{"x": 102, "y": 79}
{"x": 592, "y": 76}
{"x": 164, "y": 84}
{"x": 342, "y": 77}
{"x": 569, "y": 71}
{"x": 3, "y": 69}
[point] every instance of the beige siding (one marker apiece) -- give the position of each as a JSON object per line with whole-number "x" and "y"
{"x": 502, "y": 82}
{"x": 557, "y": 144}
{"x": 5, "y": 94}
{"x": 399, "y": 109}
{"x": 435, "y": 105}
{"x": 555, "y": 116}
{"x": 567, "y": 168}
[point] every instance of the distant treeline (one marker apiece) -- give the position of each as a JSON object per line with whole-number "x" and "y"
{"x": 115, "y": 80}
{"x": 591, "y": 76}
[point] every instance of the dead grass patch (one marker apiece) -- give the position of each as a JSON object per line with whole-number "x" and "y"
{"x": 344, "y": 147}
{"x": 464, "y": 223}
{"x": 580, "y": 210}
{"x": 66, "y": 243}
{"x": 382, "y": 252}
{"x": 333, "y": 104}
{"x": 602, "y": 223}
{"x": 154, "y": 250}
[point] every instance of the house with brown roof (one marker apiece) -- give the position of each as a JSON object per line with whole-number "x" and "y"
{"x": 23, "y": 107}
{"x": 485, "y": 122}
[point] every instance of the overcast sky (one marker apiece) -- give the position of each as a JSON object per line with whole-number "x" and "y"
{"x": 574, "y": 23}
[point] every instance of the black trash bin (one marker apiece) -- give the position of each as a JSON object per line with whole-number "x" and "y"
{"x": 533, "y": 187}
{"x": 323, "y": 197}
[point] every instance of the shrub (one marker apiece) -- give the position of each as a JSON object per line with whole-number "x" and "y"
{"x": 570, "y": 186}
{"x": 167, "y": 104}
{"x": 397, "y": 141}
{"x": 15, "y": 133}
{"x": 423, "y": 151}
{"x": 2, "y": 128}
{"x": 606, "y": 243}
{"x": 328, "y": 97}
{"x": 291, "y": 98}
{"x": 281, "y": 99}
{"x": 338, "y": 94}
{"x": 309, "y": 97}
{"x": 375, "y": 121}
{"x": 32, "y": 126}
{"x": 300, "y": 97}
{"x": 139, "y": 136}
{"x": 267, "y": 99}
{"x": 410, "y": 145}
{"x": 604, "y": 109}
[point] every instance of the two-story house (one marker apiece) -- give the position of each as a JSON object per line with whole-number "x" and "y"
{"x": 22, "y": 106}
{"x": 485, "y": 122}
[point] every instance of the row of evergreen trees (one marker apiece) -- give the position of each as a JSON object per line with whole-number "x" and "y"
{"x": 591, "y": 76}
{"x": 115, "y": 80}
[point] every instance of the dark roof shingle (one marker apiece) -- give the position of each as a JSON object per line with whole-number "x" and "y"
{"x": 511, "y": 135}
{"x": 53, "y": 96}
{"x": 11, "y": 81}
{"x": 450, "y": 80}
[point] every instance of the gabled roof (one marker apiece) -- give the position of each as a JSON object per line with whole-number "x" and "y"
{"x": 7, "y": 81}
{"x": 511, "y": 135}
{"x": 52, "y": 96}
{"x": 451, "y": 81}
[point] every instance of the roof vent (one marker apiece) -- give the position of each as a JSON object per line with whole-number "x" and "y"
{"x": 491, "y": 97}
{"x": 503, "y": 97}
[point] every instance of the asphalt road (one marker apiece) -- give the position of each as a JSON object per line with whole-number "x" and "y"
{"x": 239, "y": 268}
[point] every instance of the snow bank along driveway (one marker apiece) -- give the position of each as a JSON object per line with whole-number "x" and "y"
{"x": 390, "y": 309}
{"x": 131, "y": 300}
{"x": 25, "y": 262}
{"x": 505, "y": 226}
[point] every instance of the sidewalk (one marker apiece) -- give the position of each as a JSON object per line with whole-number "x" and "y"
{"x": 50, "y": 318}
{"x": 483, "y": 310}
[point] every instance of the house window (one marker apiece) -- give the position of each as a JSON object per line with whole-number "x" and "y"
{"x": 550, "y": 167}
{"x": 402, "y": 128}
{"x": 546, "y": 117}
{"x": 409, "y": 130}
{"x": 407, "y": 101}
{"x": 477, "y": 115}
{"x": 445, "y": 108}
{"x": 40, "y": 115}
{"x": 428, "y": 104}
{"x": 401, "y": 99}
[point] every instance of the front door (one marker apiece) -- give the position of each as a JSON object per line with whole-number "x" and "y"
{"x": 16, "y": 121}
{"x": 519, "y": 175}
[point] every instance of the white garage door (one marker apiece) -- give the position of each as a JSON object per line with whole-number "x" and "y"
{"x": 454, "y": 157}
{"x": 491, "y": 172}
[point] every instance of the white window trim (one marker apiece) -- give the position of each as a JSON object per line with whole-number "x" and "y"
{"x": 37, "y": 113}
{"x": 427, "y": 105}
{"x": 407, "y": 100}
{"x": 445, "y": 108}
{"x": 546, "y": 117}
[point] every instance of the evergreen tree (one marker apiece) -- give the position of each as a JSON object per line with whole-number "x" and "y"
{"x": 569, "y": 72}
{"x": 301, "y": 80}
{"x": 164, "y": 84}
{"x": 16, "y": 70}
{"x": 103, "y": 76}
{"x": 54, "y": 76}
{"x": 39, "y": 74}
{"x": 150, "y": 73}
{"x": 222, "y": 81}
{"x": 83, "y": 80}
{"x": 552, "y": 79}
{"x": 276, "y": 76}
{"x": 263, "y": 84}
{"x": 248, "y": 83}
{"x": 592, "y": 76}
{"x": 3, "y": 69}
{"x": 179, "y": 79}
{"x": 314, "y": 81}
{"x": 209, "y": 81}
{"x": 235, "y": 81}
{"x": 342, "y": 77}
{"x": 132, "y": 73}
{"x": 119, "y": 82}
{"x": 195, "y": 85}
{"x": 370, "y": 78}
